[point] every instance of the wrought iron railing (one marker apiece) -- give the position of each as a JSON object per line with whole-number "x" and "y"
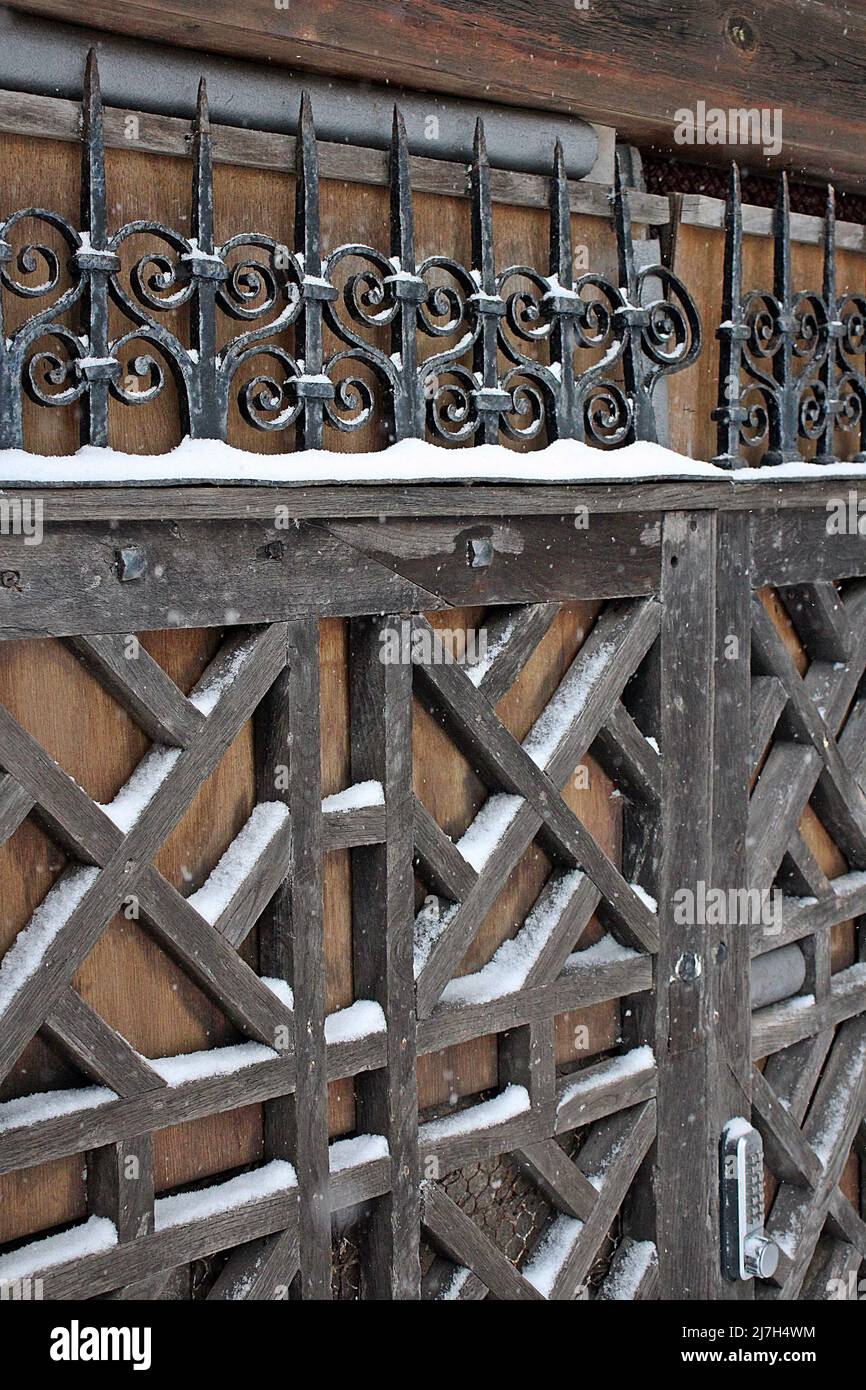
{"x": 334, "y": 338}
{"x": 788, "y": 369}
{"x": 433, "y": 348}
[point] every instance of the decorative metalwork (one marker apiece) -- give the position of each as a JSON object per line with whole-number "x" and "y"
{"x": 788, "y": 370}
{"x": 330, "y": 340}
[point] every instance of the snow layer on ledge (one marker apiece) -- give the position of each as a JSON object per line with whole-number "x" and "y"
{"x": 410, "y": 461}
{"x": 273, "y": 1177}
{"x": 507, "y": 971}
{"x": 614, "y": 1069}
{"x": 351, "y": 1153}
{"x": 359, "y": 1020}
{"x": 91, "y": 1238}
{"x": 28, "y": 950}
{"x": 551, "y": 1254}
{"x": 213, "y": 1061}
{"x": 140, "y": 789}
{"x": 355, "y": 798}
{"x": 282, "y": 989}
{"x": 239, "y": 860}
{"x": 48, "y": 1105}
{"x": 514, "y": 1100}
{"x": 622, "y": 1285}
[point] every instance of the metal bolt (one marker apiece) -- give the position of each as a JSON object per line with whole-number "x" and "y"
{"x": 479, "y": 552}
{"x": 131, "y": 563}
{"x": 688, "y": 967}
{"x": 10, "y": 579}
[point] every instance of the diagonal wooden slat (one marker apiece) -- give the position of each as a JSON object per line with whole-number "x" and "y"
{"x": 627, "y": 758}
{"x": 634, "y": 1273}
{"x": 508, "y": 763}
{"x": 513, "y": 634}
{"x": 15, "y": 805}
{"x": 141, "y": 685}
{"x": 566, "y": 930}
{"x": 97, "y": 1049}
{"x": 836, "y": 1263}
{"x": 768, "y": 699}
{"x": 844, "y": 1219}
{"x": 839, "y": 799}
{"x": 124, "y": 860}
{"x": 260, "y": 1270}
{"x": 787, "y": 1153}
{"x": 776, "y": 808}
{"x": 256, "y": 889}
{"x": 559, "y": 1178}
{"x": 446, "y": 1281}
{"x": 461, "y": 1239}
{"x": 441, "y": 861}
{"x": 852, "y": 740}
{"x": 612, "y": 1154}
{"x": 801, "y": 872}
{"x": 798, "y": 1215}
{"x": 819, "y": 616}
{"x": 792, "y": 1074}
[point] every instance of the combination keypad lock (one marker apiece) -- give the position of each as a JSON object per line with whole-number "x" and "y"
{"x": 747, "y": 1253}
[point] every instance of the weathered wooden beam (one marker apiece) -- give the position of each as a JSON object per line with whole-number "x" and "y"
{"x": 120, "y": 1186}
{"x": 383, "y": 917}
{"x": 97, "y": 1048}
{"x": 178, "y": 499}
{"x": 592, "y": 64}
{"x": 701, "y": 682}
{"x": 261, "y": 1270}
{"x": 288, "y": 757}
{"x": 129, "y": 673}
{"x": 458, "y": 1236}
{"x": 65, "y": 590}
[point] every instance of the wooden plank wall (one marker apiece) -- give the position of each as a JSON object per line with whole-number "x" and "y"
{"x": 632, "y": 65}
{"x": 128, "y": 979}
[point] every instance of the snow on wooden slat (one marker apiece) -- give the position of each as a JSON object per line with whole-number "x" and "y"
{"x": 513, "y": 1101}
{"x": 28, "y": 950}
{"x": 239, "y": 860}
{"x": 92, "y": 1237}
{"x": 507, "y": 971}
{"x": 355, "y": 798}
{"x": 271, "y": 1178}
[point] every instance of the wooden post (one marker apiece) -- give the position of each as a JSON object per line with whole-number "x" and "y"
{"x": 382, "y": 910}
{"x": 702, "y": 999}
{"x": 292, "y": 944}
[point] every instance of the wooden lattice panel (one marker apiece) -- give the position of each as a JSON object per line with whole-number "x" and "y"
{"x": 269, "y": 879}
{"x": 454, "y": 1039}
{"x": 807, "y": 818}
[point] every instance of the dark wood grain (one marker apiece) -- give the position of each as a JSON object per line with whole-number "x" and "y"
{"x": 631, "y": 66}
